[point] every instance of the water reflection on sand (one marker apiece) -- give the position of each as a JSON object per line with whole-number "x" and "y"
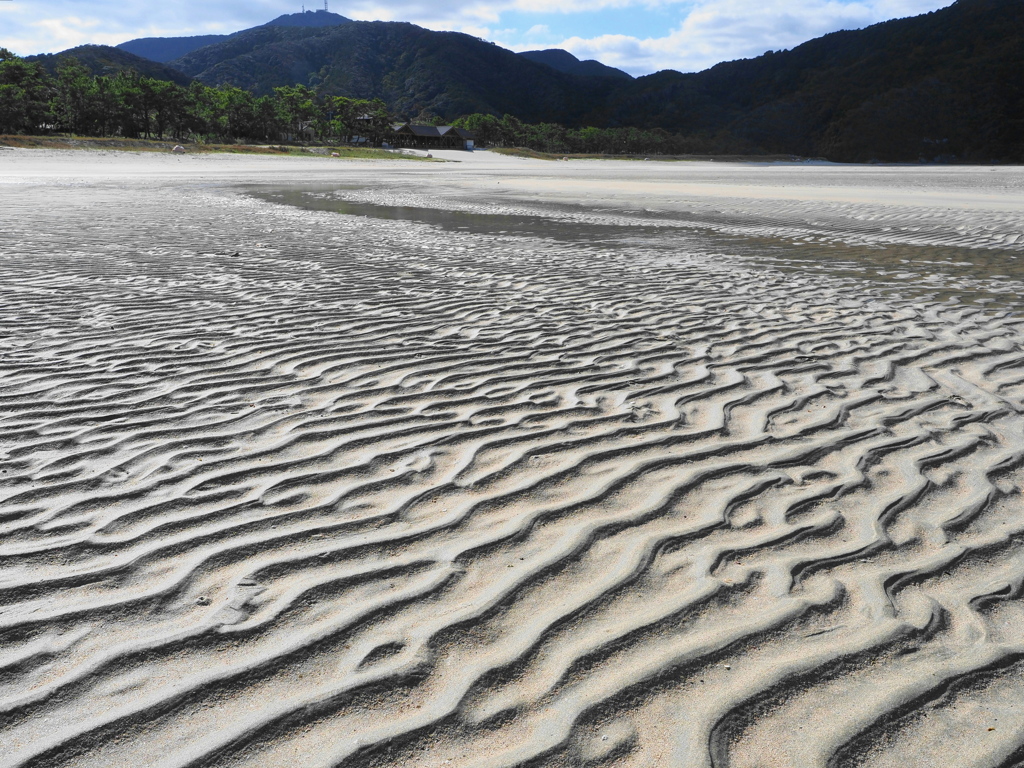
{"x": 986, "y": 275}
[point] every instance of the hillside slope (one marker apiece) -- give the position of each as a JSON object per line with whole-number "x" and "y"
{"x": 945, "y": 84}
{"x": 107, "y": 60}
{"x": 413, "y": 69}
{"x": 941, "y": 86}
{"x": 165, "y": 49}
{"x": 564, "y": 61}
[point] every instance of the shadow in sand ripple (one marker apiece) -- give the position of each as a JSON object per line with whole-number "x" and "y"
{"x": 402, "y": 494}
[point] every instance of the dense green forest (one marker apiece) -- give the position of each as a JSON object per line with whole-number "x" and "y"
{"x": 417, "y": 72}
{"x": 509, "y": 131}
{"x": 164, "y": 49}
{"x": 944, "y": 85}
{"x": 105, "y": 60}
{"x": 127, "y": 104}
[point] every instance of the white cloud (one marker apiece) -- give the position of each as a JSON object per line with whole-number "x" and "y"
{"x": 481, "y": 32}
{"x": 450, "y": 15}
{"x": 31, "y": 27}
{"x": 579, "y": 6}
{"x": 723, "y": 30}
{"x": 65, "y": 33}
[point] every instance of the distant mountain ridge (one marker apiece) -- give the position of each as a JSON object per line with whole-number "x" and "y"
{"x": 414, "y": 70}
{"x": 564, "y": 61}
{"x": 940, "y": 85}
{"x": 107, "y": 60}
{"x": 317, "y": 19}
{"x": 165, "y": 49}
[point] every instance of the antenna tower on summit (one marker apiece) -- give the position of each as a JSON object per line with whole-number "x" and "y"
{"x": 325, "y": 6}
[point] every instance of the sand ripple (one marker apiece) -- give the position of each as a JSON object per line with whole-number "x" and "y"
{"x": 287, "y": 488}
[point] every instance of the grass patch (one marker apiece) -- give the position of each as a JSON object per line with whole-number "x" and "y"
{"x": 153, "y": 145}
{"x": 535, "y": 155}
{"x": 523, "y": 152}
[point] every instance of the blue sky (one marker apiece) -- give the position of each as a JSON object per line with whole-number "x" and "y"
{"x": 639, "y": 36}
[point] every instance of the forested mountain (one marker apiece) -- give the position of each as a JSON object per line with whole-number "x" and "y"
{"x": 417, "y": 72}
{"x": 564, "y": 61}
{"x": 105, "y": 60}
{"x": 945, "y": 85}
{"x": 317, "y": 19}
{"x": 164, "y": 49}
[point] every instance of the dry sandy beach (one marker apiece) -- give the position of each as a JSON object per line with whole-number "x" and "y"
{"x": 502, "y": 463}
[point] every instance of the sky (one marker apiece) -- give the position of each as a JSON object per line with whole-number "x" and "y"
{"x": 638, "y": 36}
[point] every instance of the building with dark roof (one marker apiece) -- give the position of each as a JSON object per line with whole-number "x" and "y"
{"x": 407, "y": 135}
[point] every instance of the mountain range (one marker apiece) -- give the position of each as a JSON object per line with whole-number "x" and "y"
{"x": 165, "y": 49}
{"x": 947, "y": 84}
{"x": 564, "y": 61}
{"x": 105, "y": 60}
{"x": 417, "y": 72}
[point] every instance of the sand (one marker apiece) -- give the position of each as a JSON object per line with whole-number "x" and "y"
{"x": 513, "y": 464}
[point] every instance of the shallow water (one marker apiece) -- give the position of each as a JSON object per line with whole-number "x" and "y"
{"x": 545, "y": 224}
{"x": 974, "y": 275}
{"x": 977, "y": 276}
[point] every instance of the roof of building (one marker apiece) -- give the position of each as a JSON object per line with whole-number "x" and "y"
{"x": 435, "y": 131}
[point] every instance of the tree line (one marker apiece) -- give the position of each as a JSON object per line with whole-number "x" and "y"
{"x": 508, "y": 131}
{"x": 126, "y": 104}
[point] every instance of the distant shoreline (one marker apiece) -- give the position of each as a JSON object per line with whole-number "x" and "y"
{"x": 90, "y": 143}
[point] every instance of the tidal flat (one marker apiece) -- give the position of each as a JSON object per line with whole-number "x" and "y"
{"x": 504, "y": 462}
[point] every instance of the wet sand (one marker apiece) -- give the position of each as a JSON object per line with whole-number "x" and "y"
{"x": 509, "y": 463}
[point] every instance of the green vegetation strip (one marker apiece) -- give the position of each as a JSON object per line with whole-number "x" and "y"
{"x": 535, "y": 155}
{"x": 146, "y": 145}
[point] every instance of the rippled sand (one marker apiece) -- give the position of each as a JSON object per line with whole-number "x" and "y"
{"x": 561, "y": 464}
